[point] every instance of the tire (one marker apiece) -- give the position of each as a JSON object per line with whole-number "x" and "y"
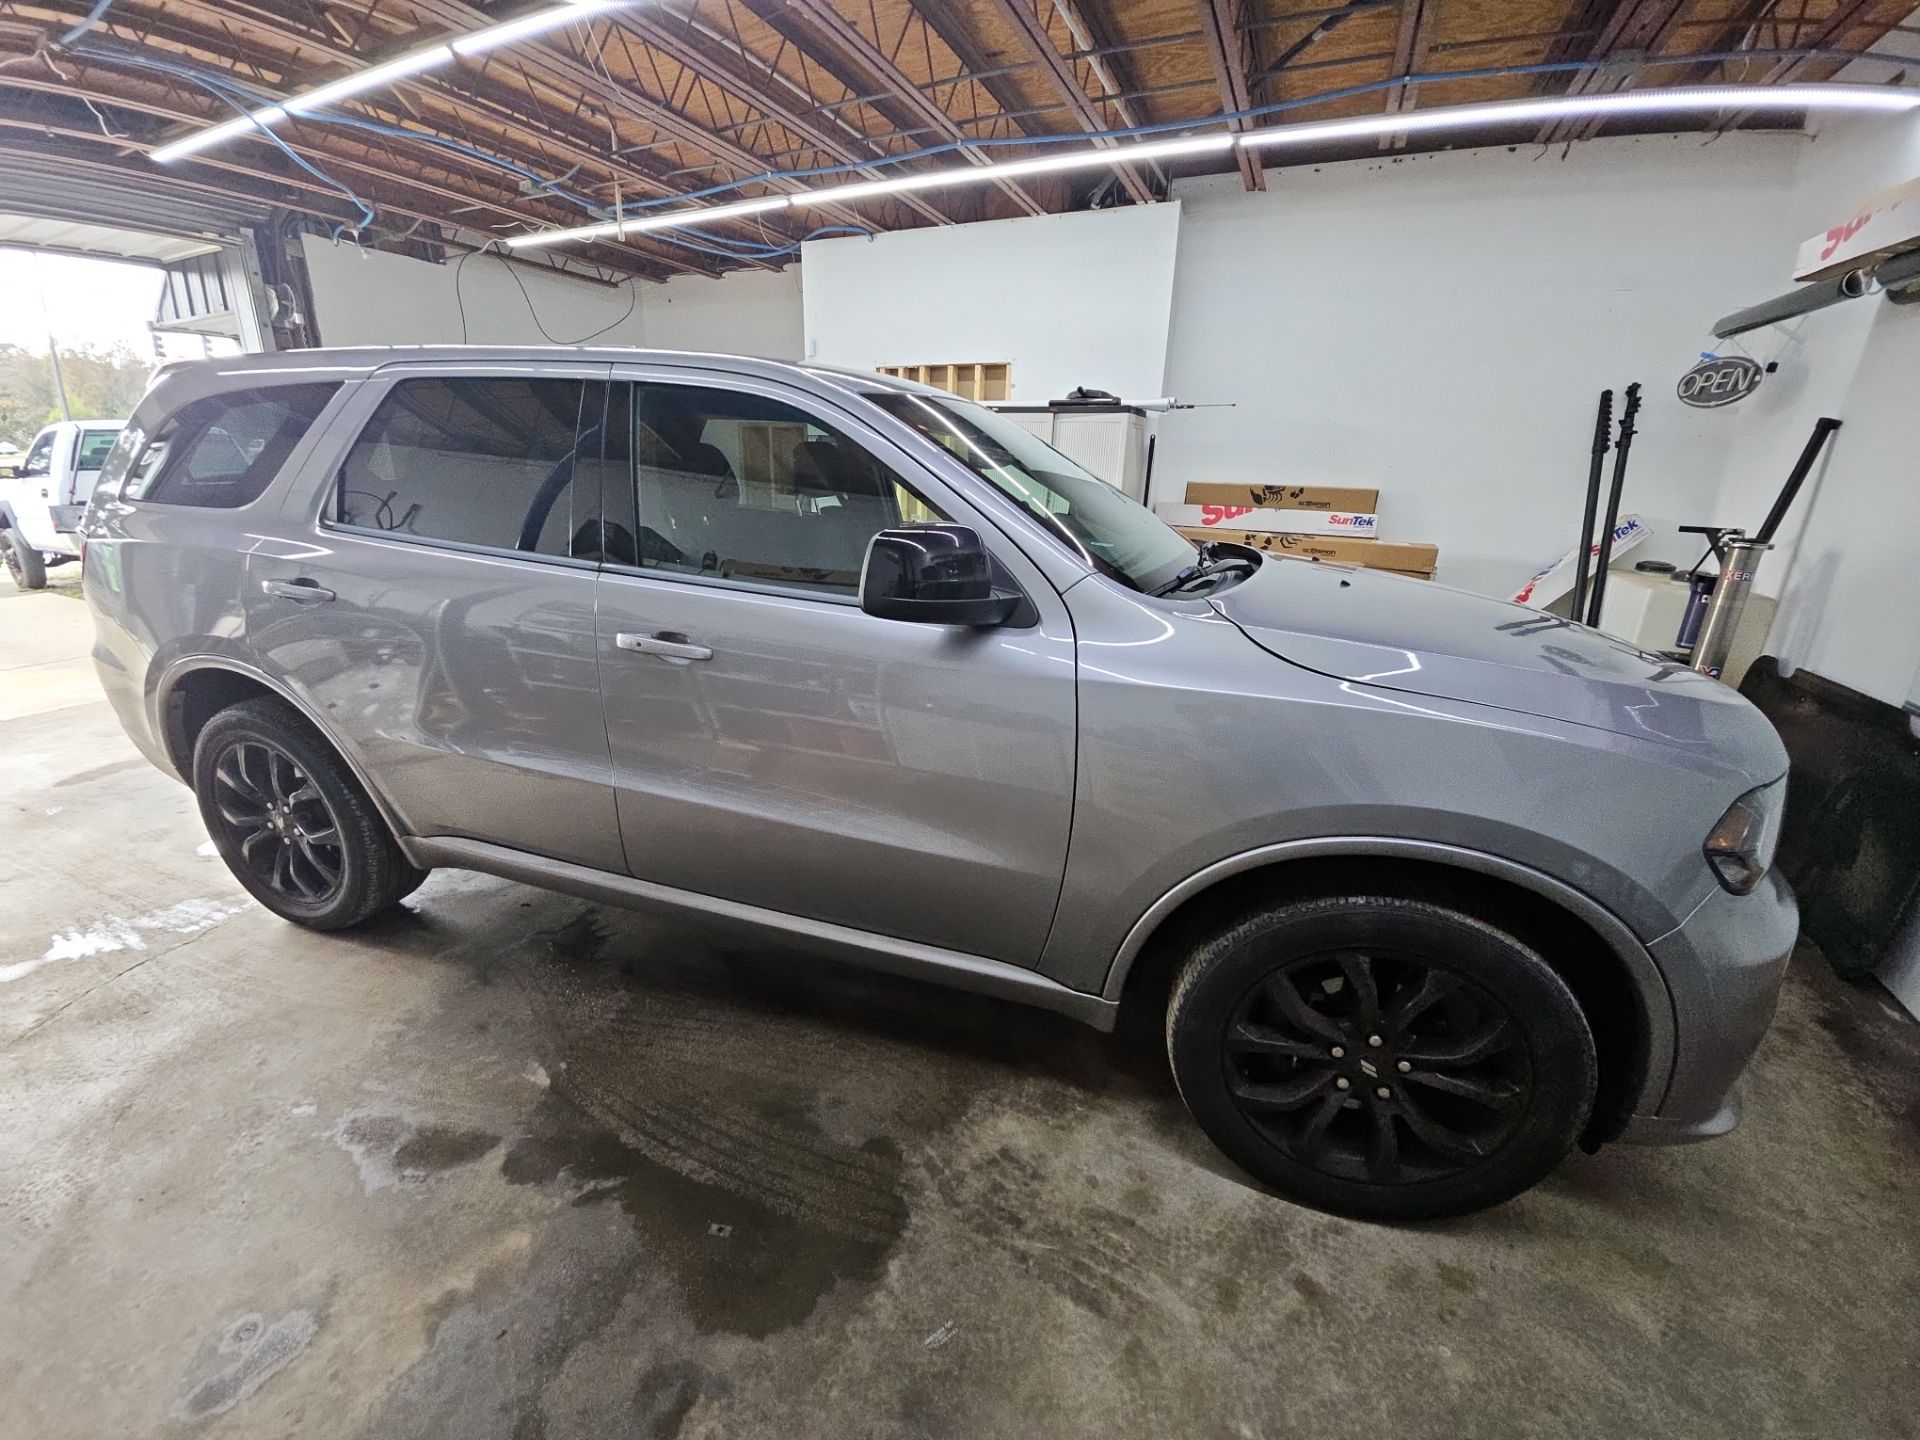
{"x": 24, "y": 563}
{"x": 291, "y": 821}
{"x": 1381, "y": 1058}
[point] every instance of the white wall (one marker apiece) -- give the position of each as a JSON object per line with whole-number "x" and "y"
{"x": 1067, "y": 300}
{"x": 1843, "y": 568}
{"x": 367, "y": 297}
{"x": 1440, "y": 326}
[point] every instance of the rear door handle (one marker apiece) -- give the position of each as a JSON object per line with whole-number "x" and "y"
{"x": 302, "y": 590}
{"x": 667, "y": 645}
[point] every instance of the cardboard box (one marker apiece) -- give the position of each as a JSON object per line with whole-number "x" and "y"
{"x": 1286, "y": 497}
{"x": 1288, "y": 522}
{"x": 1401, "y": 555}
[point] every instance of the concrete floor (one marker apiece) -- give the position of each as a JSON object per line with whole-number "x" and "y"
{"x": 513, "y": 1165}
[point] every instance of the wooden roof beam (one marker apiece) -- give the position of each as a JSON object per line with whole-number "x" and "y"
{"x": 1633, "y": 27}
{"x": 1033, "y": 33}
{"x": 704, "y": 59}
{"x": 1221, "y": 26}
{"x": 583, "y": 79}
{"x": 834, "y": 27}
{"x": 1409, "y": 58}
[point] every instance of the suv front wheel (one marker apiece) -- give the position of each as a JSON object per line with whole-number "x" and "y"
{"x": 1382, "y": 1058}
{"x": 291, "y": 821}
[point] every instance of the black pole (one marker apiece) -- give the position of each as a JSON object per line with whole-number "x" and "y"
{"x": 1822, "y": 428}
{"x": 1605, "y": 558}
{"x": 1602, "y": 432}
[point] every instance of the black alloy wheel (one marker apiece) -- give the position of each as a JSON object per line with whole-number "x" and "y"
{"x": 1379, "y": 1057}
{"x": 287, "y": 835}
{"x": 1377, "y": 1067}
{"x": 292, "y": 821}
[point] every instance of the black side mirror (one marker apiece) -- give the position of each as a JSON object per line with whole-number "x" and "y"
{"x": 935, "y": 574}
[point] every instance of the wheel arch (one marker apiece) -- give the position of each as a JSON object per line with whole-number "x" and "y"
{"x": 1610, "y": 971}
{"x": 197, "y": 688}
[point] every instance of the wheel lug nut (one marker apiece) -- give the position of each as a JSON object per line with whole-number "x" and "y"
{"x": 1339, "y": 1052}
{"x": 1404, "y": 1066}
{"x": 1384, "y": 1093}
{"x": 1342, "y": 1083}
{"x": 1374, "y": 1041}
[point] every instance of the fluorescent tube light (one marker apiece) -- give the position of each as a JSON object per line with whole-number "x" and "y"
{"x": 362, "y": 81}
{"x": 221, "y": 133}
{"x": 1013, "y": 169}
{"x": 667, "y": 220}
{"x": 537, "y": 23}
{"x": 1560, "y": 107}
{"x": 1698, "y": 97}
{"x": 373, "y": 78}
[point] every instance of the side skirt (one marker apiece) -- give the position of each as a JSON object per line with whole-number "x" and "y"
{"x": 951, "y": 968}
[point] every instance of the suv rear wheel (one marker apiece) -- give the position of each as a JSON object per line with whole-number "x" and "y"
{"x": 24, "y": 563}
{"x": 292, "y": 823}
{"x": 1381, "y": 1058}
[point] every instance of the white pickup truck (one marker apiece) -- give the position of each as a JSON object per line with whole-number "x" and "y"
{"x": 41, "y": 506}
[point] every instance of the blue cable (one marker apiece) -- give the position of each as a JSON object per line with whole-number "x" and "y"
{"x": 237, "y": 99}
{"x": 93, "y": 18}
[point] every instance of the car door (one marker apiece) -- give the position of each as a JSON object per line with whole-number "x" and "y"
{"x": 431, "y": 595}
{"x": 775, "y": 746}
{"x": 31, "y": 495}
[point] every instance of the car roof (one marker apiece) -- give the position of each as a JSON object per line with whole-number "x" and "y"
{"x": 366, "y": 359}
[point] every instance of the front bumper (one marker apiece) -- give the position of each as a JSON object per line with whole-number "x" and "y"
{"x": 1723, "y": 966}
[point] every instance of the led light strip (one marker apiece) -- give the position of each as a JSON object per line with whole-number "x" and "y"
{"x": 1505, "y": 112}
{"x": 413, "y": 62}
{"x": 866, "y": 189}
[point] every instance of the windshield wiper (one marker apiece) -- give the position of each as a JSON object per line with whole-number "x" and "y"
{"x": 1212, "y": 564}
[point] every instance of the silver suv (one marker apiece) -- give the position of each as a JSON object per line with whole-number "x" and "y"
{"x": 1429, "y": 887}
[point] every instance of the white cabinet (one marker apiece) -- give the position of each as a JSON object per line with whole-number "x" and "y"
{"x": 1110, "y": 443}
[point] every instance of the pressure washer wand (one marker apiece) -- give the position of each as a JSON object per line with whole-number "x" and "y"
{"x": 1602, "y": 438}
{"x": 1620, "y": 450}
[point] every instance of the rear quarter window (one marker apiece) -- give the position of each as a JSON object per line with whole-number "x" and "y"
{"x": 223, "y": 451}
{"x": 95, "y": 446}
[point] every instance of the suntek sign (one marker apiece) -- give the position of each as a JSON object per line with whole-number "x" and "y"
{"x": 1271, "y": 521}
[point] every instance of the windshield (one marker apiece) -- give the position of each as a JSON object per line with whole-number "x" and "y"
{"x": 1119, "y": 537}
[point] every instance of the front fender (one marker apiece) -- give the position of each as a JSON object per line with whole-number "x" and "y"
{"x": 1656, "y": 1002}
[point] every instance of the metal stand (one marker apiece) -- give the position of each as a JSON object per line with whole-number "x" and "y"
{"x": 1613, "y": 504}
{"x": 1582, "y": 558}
{"x": 1741, "y": 559}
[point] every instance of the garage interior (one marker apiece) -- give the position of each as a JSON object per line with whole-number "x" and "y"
{"x": 510, "y": 1163}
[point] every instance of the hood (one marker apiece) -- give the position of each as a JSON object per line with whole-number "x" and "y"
{"x": 1392, "y": 632}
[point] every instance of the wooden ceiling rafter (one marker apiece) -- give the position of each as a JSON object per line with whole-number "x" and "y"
{"x": 1227, "y": 47}
{"x": 1020, "y": 16}
{"x": 658, "y": 103}
{"x": 863, "y": 52}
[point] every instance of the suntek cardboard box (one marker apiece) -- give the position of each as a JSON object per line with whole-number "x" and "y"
{"x": 1402, "y": 556}
{"x": 1247, "y": 517}
{"x": 1286, "y": 497}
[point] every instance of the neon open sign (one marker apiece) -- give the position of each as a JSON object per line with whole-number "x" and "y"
{"x": 1719, "y": 381}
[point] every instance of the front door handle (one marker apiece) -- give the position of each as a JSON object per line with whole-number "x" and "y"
{"x": 303, "y": 590}
{"x": 667, "y": 645}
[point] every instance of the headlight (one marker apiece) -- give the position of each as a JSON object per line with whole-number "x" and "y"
{"x": 1740, "y": 848}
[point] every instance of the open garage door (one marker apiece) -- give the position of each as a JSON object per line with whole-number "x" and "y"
{"x": 214, "y": 298}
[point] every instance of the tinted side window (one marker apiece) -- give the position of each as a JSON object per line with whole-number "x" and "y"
{"x": 742, "y": 487}
{"x": 225, "y": 450}
{"x": 95, "y": 445}
{"x": 479, "y": 460}
{"x": 40, "y": 458}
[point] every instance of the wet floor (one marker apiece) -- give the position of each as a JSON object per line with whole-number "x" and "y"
{"x": 509, "y": 1164}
